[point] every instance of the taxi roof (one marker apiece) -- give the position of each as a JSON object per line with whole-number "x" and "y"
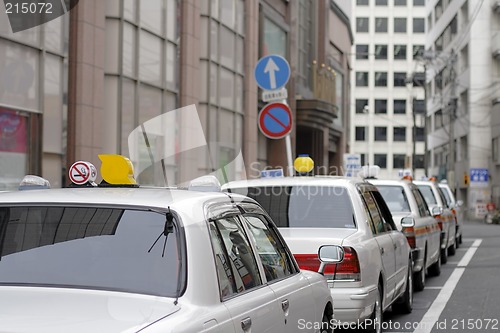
{"x": 298, "y": 180}
{"x": 138, "y": 197}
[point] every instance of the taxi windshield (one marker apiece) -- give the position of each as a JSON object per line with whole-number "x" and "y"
{"x": 305, "y": 206}
{"x": 88, "y": 247}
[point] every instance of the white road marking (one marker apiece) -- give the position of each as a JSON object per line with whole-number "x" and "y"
{"x": 432, "y": 315}
{"x": 432, "y": 287}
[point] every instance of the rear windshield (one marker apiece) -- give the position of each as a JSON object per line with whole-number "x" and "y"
{"x": 395, "y": 197}
{"x": 305, "y": 206}
{"x": 428, "y": 195}
{"x": 85, "y": 247}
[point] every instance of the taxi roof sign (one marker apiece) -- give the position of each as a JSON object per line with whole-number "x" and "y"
{"x": 271, "y": 173}
{"x": 117, "y": 170}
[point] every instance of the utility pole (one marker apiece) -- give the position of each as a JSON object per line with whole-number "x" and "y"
{"x": 414, "y": 148}
{"x": 452, "y": 105}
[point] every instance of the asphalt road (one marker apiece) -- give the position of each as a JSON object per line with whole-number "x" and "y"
{"x": 466, "y": 296}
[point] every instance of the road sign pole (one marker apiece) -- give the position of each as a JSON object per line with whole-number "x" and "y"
{"x": 289, "y": 154}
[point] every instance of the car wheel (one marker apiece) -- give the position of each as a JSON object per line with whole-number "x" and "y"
{"x": 419, "y": 277}
{"x": 326, "y": 324}
{"x": 435, "y": 268}
{"x": 452, "y": 250}
{"x": 444, "y": 255}
{"x": 406, "y": 300}
{"x": 460, "y": 239}
{"x": 374, "y": 325}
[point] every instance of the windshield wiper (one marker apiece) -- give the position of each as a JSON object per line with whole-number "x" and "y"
{"x": 168, "y": 228}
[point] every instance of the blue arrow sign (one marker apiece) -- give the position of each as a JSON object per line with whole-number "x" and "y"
{"x": 272, "y": 72}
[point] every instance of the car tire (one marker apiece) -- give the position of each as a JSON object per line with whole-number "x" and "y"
{"x": 374, "y": 325}
{"x": 326, "y": 323}
{"x": 435, "y": 268}
{"x": 460, "y": 239}
{"x": 452, "y": 250}
{"x": 419, "y": 277}
{"x": 444, "y": 256}
{"x": 406, "y": 301}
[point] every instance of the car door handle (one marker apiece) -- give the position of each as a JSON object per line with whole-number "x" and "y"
{"x": 285, "y": 305}
{"x": 246, "y": 324}
{"x": 382, "y": 250}
{"x": 395, "y": 245}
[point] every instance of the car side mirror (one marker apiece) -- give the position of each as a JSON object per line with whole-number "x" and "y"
{"x": 407, "y": 222}
{"x": 436, "y": 211}
{"x": 329, "y": 254}
{"x": 460, "y": 203}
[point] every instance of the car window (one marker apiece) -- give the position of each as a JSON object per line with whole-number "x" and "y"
{"x": 233, "y": 241}
{"x": 385, "y": 213}
{"x": 376, "y": 218}
{"x": 446, "y": 195}
{"x": 95, "y": 248}
{"x": 395, "y": 198}
{"x": 442, "y": 196}
{"x": 423, "y": 209}
{"x": 428, "y": 195}
{"x": 306, "y": 206}
{"x": 272, "y": 254}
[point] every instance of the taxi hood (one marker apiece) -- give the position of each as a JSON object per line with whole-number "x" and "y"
{"x": 62, "y": 310}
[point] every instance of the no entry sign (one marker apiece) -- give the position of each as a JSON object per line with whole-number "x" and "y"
{"x": 275, "y": 120}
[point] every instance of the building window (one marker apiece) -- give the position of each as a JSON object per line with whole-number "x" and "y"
{"x": 380, "y": 2}
{"x": 380, "y": 79}
{"x": 380, "y": 52}
{"x": 438, "y": 120}
{"x": 399, "y": 106}
{"x": 418, "y": 51}
{"x": 398, "y": 161}
{"x": 360, "y": 133}
{"x": 400, "y": 52}
{"x": 362, "y": 24}
{"x": 361, "y": 79}
{"x": 380, "y": 133}
{"x": 361, "y": 104}
{"x": 419, "y": 79}
{"x": 399, "y": 79}
{"x": 399, "y": 134}
{"x": 399, "y": 2}
{"x": 418, "y": 25}
{"x": 380, "y": 106}
{"x": 419, "y": 162}
{"x": 420, "y": 134}
{"x": 399, "y": 24}
{"x": 419, "y": 106}
{"x": 362, "y": 51}
{"x": 381, "y": 24}
{"x": 438, "y": 10}
{"x": 362, "y": 2}
{"x": 274, "y": 39}
{"x": 418, "y": 2}
{"x": 380, "y": 160}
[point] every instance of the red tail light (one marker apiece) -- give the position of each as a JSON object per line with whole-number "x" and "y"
{"x": 348, "y": 269}
{"x": 410, "y": 236}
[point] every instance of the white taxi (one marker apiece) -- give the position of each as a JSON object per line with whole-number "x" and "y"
{"x": 456, "y": 209}
{"x": 121, "y": 258}
{"x": 439, "y": 208}
{"x": 406, "y": 202}
{"x": 311, "y": 211}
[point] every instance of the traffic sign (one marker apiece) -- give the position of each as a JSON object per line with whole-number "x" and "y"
{"x": 274, "y": 95}
{"x": 272, "y": 72}
{"x": 82, "y": 172}
{"x": 275, "y": 120}
{"x": 479, "y": 177}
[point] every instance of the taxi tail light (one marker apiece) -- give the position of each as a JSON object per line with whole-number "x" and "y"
{"x": 348, "y": 269}
{"x": 410, "y": 236}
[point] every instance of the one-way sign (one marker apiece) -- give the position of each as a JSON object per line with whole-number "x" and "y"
{"x": 272, "y": 72}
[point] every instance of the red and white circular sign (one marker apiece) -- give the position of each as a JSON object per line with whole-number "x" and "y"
{"x": 82, "y": 172}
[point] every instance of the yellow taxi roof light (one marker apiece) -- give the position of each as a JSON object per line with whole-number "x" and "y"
{"x": 303, "y": 164}
{"x": 117, "y": 169}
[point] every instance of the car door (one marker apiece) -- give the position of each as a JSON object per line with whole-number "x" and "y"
{"x": 400, "y": 243}
{"x": 385, "y": 245}
{"x": 251, "y": 303}
{"x": 291, "y": 288}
